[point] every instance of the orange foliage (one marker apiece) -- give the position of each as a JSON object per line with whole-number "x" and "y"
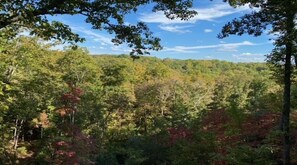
{"x": 63, "y": 111}
{"x": 44, "y": 121}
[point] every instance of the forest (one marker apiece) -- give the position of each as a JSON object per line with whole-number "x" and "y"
{"x": 68, "y": 107}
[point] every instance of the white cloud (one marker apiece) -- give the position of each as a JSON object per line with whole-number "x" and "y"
{"x": 247, "y": 55}
{"x": 103, "y": 44}
{"x": 208, "y": 30}
{"x": 177, "y": 49}
{"x": 120, "y": 49}
{"x": 209, "y": 57}
{"x": 106, "y": 46}
{"x": 225, "y": 47}
{"x": 250, "y": 56}
{"x": 95, "y": 36}
{"x": 95, "y": 50}
{"x": 175, "y": 29}
{"x": 59, "y": 47}
{"x": 232, "y": 47}
{"x": 205, "y": 14}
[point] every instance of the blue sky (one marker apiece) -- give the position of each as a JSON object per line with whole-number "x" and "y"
{"x": 193, "y": 39}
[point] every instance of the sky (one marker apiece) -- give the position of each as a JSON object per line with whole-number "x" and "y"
{"x": 192, "y": 39}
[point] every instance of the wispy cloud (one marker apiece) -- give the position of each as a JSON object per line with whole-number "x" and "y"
{"x": 205, "y": 14}
{"x": 121, "y": 49}
{"x": 208, "y": 30}
{"x": 225, "y": 47}
{"x": 209, "y": 57}
{"x": 249, "y": 56}
{"x": 175, "y": 29}
{"x": 95, "y": 36}
{"x": 178, "y": 50}
{"x": 232, "y": 47}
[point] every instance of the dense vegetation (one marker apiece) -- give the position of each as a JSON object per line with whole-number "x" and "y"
{"x": 67, "y": 107}
{"x": 273, "y": 16}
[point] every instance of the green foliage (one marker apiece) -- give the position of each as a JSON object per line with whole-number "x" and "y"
{"x": 113, "y": 75}
{"x": 200, "y": 149}
{"x": 106, "y": 159}
{"x": 78, "y": 108}
{"x": 245, "y": 155}
{"x": 77, "y": 67}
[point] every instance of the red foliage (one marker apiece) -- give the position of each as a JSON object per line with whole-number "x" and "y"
{"x": 254, "y": 130}
{"x": 76, "y": 146}
{"x": 77, "y": 91}
{"x": 66, "y": 157}
{"x": 180, "y": 133}
{"x": 73, "y": 150}
{"x": 72, "y": 97}
{"x": 217, "y": 121}
{"x": 70, "y": 100}
{"x": 64, "y": 153}
{"x": 61, "y": 144}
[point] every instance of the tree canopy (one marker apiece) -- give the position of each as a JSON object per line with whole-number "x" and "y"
{"x": 68, "y": 107}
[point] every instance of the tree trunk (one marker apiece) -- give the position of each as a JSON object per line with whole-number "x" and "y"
{"x": 72, "y": 116}
{"x": 287, "y": 89}
{"x": 286, "y": 111}
{"x": 15, "y": 134}
{"x": 17, "y": 131}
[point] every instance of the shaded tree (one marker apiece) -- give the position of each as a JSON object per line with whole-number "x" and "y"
{"x": 279, "y": 17}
